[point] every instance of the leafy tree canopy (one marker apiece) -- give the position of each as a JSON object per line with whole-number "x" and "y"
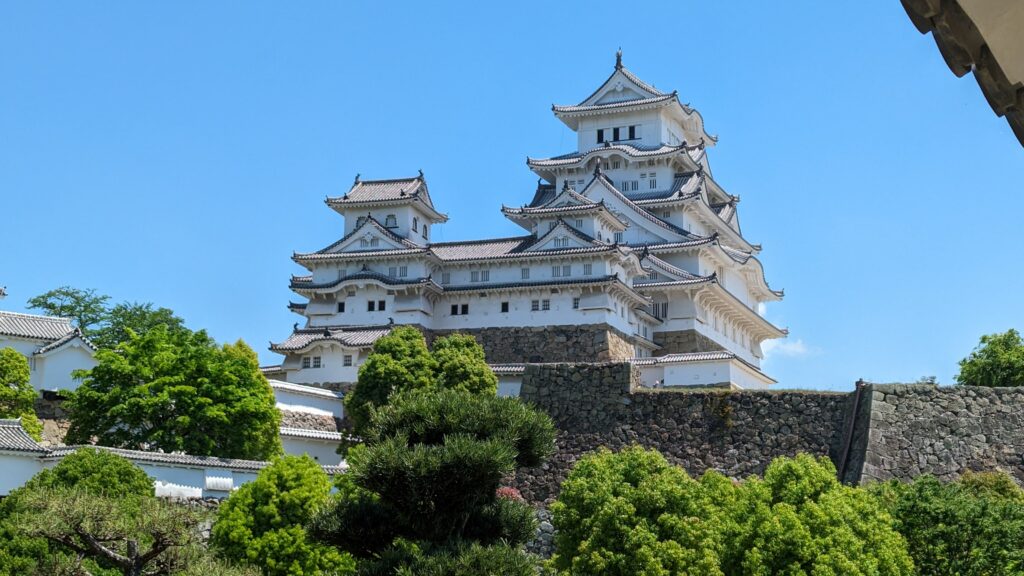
{"x": 85, "y": 307}
{"x": 177, "y": 391}
{"x": 87, "y": 471}
{"x": 421, "y": 495}
{"x": 997, "y": 361}
{"x": 401, "y": 361}
{"x": 104, "y": 325}
{"x": 262, "y": 522}
{"x": 973, "y": 527}
{"x": 634, "y": 513}
{"x": 134, "y": 317}
{"x": 17, "y": 397}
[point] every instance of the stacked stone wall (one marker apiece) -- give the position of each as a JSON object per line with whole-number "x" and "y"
{"x": 922, "y": 429}
{"x": 684, "y": 341}
{"x": 737, "y": 433}
{"x": 576, "y": 343}
{"x": 877, "y": 433}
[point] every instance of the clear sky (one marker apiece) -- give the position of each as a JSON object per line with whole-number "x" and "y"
{"x": 179, "y": 152}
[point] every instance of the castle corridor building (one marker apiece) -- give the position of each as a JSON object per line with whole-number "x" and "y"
{"x": 631, "y": 251}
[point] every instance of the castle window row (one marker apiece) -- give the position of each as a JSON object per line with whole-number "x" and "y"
{"x": 616, "y": 133}
{"x": 312, "y": 362}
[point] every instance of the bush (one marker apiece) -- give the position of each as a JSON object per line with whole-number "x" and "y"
{"x": 88, "y": 471}
{"x": 997, "y": 361}
{"x": 634, "y": 513}
{"x": 421, "y": 496}
{"x": 17, "y": 397}
{"x": 262, "y": 522}
{"x": 973, "y": 527}
{"x": 401, "y": 361}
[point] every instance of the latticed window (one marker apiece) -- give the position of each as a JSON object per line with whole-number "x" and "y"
{"x": 588, "y": 269}
{"x": 525, "y": 273}
{"x": 316, "y": 362}
{"x": 390, "y": 221}
{"x": 576, "y": 303}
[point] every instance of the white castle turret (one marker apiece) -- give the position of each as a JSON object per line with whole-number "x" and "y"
{"x": 632, "y": 252}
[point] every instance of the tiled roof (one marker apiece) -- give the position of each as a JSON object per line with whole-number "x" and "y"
{"x": 544, "y": 194}
{"x": 314, "y": 434}
{"x": 683, "y": 186}
{"x": 619, "y": 68}
{"x": 297, "y": 306}
{"x": 737, "y": 255}
{"x": 692, "y": 357}
{"x": 358, "y": 254}
{"x": 477, "y": 249}
{"x": 306, "y": 282}
{"x": 175, "y": 458}
{"x": 34, "y": 326}
{"x": 76, "y": 333}
{"x": 629, "y": 149}
{"x": 667, "y": 246}
{"x": 615, "y": 105}
{"x": 636, "y": 208}
{"x": 353, "y": 337}
{"x": 304, "y": 389}
{"x": 13, "y": 438}
{"x": 641, "y": 284}
{"x": 670, "y": 268}
{"x": 508, "y": 369}
{"x": 271, "y": 369}
{"x": 385, "y": 190}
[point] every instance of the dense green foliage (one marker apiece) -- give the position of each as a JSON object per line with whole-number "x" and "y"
{"x": 51, "y": 525}
{"x": 997, "y": 361}
{"x": 105, "y": 326}
{"x": 177, "y": 391}
{"x": 17, "y": 397}
{"x": 96, "y": 472}
{"x": 128, "y": 317}
{"x": 634, "y": 513}
{"x": 87, "y": 470}
{"x": 262, "y": 522}
{"x": 85, "y": 307}
{"x": 974, "y": 527}
{"x": 401, "y": 361}
{"x": 421, "y": 493}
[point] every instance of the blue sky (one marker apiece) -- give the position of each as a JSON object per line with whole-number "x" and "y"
{"x": 178, "y": 153}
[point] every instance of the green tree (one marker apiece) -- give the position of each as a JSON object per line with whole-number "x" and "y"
{"x": 17, "y": 397}
{"x": 136, "y": 317}
{"x": 85, "y": 307}
{"x": 973, "y": 527}
{"x": 634, "y": 513}
{"x": 87, "y": 470}
{"x": 461, "y": 365}
{"x": 177, "y": 392}
{"x": 997, "y": 361}
{"x": 401, "y": 361}
{"x": 421, "y": 495}
{"x": 262, "y": 522}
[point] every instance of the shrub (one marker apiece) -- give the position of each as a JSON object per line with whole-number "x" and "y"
{"x": 997, "y": 361}
{"x": 634, "y": 513}
{"x": 421, "y": 494}
{"x": 262, "y": 522}
{"x": 973, "y": 527}
{"x": 17, "y": 397}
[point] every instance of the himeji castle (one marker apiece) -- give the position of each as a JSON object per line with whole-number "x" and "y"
{"x": 630, "y": 251}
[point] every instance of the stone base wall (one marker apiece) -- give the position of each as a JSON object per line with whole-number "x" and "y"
{"x": 880, "y": 432}
{"x": 737, "y": 433}
{"x": 922, "y": 429}
{"x": 583, "y": 343}
{"x": 684, "y": 341}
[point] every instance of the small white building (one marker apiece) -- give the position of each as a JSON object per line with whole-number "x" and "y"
{"x": 175, "y": 475}
{"x": 54, "y": 348}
